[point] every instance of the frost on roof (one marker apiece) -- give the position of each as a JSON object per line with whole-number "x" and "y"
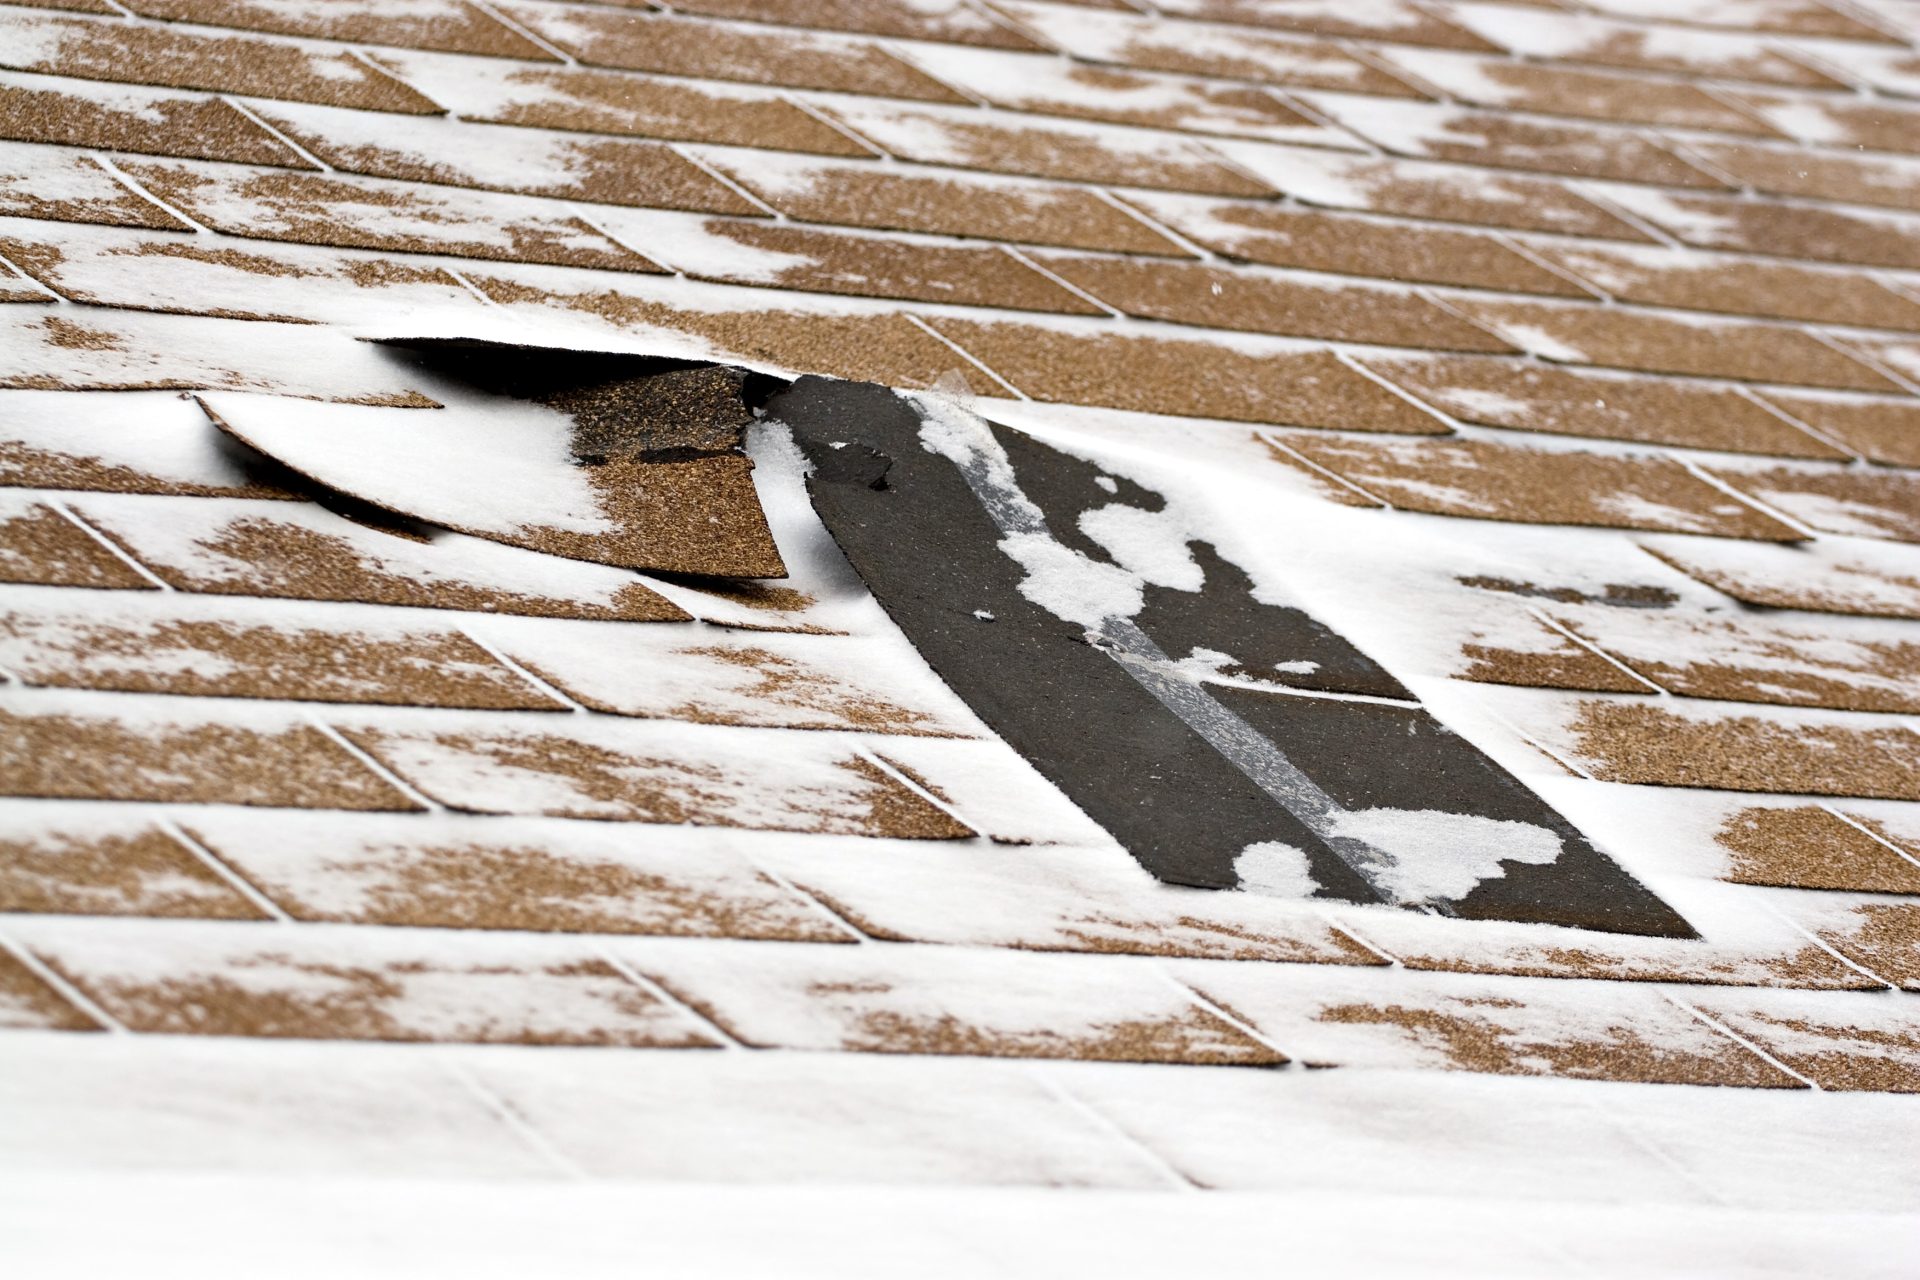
{"x": 1099, "y": 632}
{"x": 1462, "y": 453}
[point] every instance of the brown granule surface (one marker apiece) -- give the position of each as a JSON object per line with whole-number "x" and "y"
{"x": 675, "y": 46}
{"x": 486, "y": 886}
{"x": 95, "y": 758}
{"x": 1642, "y": 742}
{"x": 147, "y": 873}
{"x": 263, "y": 556}
{"x": 34, "y": 467}
{"x": 1187, "y": 379}
{"x": 1814, "y": 174}
{"x": 232, "y": 660}
{"x": 602, "y": 170}
{"x": 1199, "y": 105}
{"x": 1196, "y": 1038}
{"x": 865, "y": 348}
{"x": 1325, "y": 484}
{"x": 897, "y": 811}
{"x": 1842, "y": 500}
{"x": 1811, "y": 967}
{"x": 610, "y": 785}
{"x": 314, "y": 209}
{"x": 781, "y": 691}
{"x": 76, "y": 6}
{"x": 612, "y": 102}
{"x": 1738, "y": 287}
{"x": 1312, "y": 64}
{"x": 1885, "y": 938}
{"x": 877, "y": 267}
{"x": 17, "y": 289}
{"x": 207, "y": 128}
{"x": 1881, "y": 1060}
{"x": 277, "y": 994}
{"x": 1642, "y": 48}
{"x": 1841, "y": 587}
{"x": 157, "y": 55}
{"x": 1509, "y": 142}
{"x": 1875, "y": 123}
{"x": 1291, "y": 237}
{"x": 1618, "y": 595}
{"x": 26, "y": 1001}
{"x": 1528, "y": 396}
{"x": 1560, "y": 664}
{"x": 1659, "y": 344}
{"x": 1217, "y": 297}
{"x": 1470, "y": 1032}
{"x": 1487, "y": 481}
{"x": 453, "y": 26}
{"x": 1402, "y": 24}
{"x": 952, "y": 21}
{"x": 1037, "y": 151}
{"x": 701, "y": 409}
{"x": 42, "y": 547}
{"x": 1792, "y": 230}
{"x": 1603, "y": 95}
{"x": 1730, "y": 659}
{"x": 1809, "y": 848}
{"x": 1484, "y": 199}
{"x": 1025, "y": 212}
{"x": 697, "y": 516}
{"x": 104, "y": 201}
{"x": 1883, "y": 431}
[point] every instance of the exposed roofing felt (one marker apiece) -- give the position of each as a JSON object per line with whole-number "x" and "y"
{"x": 1311, "y": 597}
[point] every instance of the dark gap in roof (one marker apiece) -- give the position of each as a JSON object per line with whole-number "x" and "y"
{"x": 623, "y": 406}
{"x": 1168, "y": 721}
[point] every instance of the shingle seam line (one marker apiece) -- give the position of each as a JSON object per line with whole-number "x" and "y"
{"x": 214, "y": 863}
{"x": 65, "y": 989}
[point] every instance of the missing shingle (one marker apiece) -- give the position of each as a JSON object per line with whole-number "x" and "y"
{"x": 1133, "y": 664}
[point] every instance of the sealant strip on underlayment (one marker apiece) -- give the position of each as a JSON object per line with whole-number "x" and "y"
{"x": 1050, "y": 638}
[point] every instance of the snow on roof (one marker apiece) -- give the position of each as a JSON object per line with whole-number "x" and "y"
{"x": 1372, "y": 663}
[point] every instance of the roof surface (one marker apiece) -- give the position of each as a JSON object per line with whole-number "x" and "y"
{"x": 480, "y": 742}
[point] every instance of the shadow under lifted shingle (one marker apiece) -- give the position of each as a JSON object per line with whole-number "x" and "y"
{"x": 1159, "y": 698}
{"x": 616, "y": 459}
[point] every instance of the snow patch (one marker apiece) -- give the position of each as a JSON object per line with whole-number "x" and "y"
{"x": 1435, "y": 855}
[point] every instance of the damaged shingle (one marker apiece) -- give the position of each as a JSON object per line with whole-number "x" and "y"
{"x": 1133, "y": 664}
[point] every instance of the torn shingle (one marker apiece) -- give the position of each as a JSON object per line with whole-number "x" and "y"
{"x": 574, "y": 454}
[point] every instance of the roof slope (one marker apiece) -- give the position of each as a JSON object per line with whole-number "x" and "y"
{"x": 1558, "y": 363}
